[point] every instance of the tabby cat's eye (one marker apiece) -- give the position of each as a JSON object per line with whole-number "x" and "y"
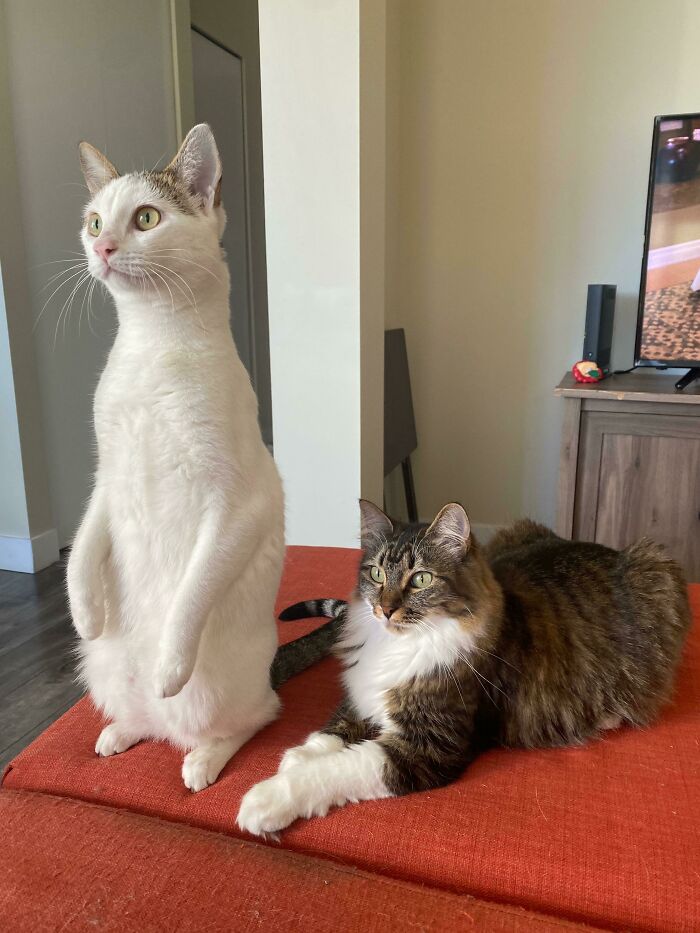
{"x": 147, "y": 218}
{"x": 420, "y": 580}
{"x": 377, "y": 574}
{"x": 94, "y": 224}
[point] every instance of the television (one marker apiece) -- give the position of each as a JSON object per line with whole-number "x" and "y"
{"x": 668, "y": 320}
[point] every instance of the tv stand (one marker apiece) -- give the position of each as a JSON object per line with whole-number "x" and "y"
{"x": 689, "y": 377}
{"x": 630, "y": 463}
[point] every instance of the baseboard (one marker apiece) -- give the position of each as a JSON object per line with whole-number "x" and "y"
{"x": 483, "y": 532}
{"x": 29, "y": 555}
{"x": 678, "y": 252}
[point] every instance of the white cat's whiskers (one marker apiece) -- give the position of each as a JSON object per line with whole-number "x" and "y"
{"x": 71, "y": 273}
{"x": 67, "y": 305}
{"x": 73, "y": 261}
{"x": 175, "y": 249}
{"x": 90, "y": 290}
{"x": 163, "y": 280}
{"x": 154, "y": 284}
{"x": 64, "y": 272}
{"x": 71, "y": 302}
{"x": 51, "y": 262}
{"x": 166, "y": 270}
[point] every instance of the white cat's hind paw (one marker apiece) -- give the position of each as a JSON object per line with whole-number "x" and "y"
{"x": 114, "y": 739}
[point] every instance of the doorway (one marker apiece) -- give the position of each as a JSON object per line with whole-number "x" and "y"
{"x": 226, "y": 84}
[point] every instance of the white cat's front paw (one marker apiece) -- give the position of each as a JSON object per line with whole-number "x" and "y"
{"x": 86, "y": 598}
{"x": 268, "y": 806}
{"x": 170, "y": 677}
{"x": 88, "y": 618}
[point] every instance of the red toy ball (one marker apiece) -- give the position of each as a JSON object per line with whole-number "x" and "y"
{"x": 586, "y": 371}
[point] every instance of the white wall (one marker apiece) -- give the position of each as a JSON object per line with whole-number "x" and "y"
{"x": 310, "y": 76}
{"x": 96, "y": 70}
{"x": 518, "y": 153}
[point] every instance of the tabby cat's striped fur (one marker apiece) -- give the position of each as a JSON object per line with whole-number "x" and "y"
{"x": 533, "y": 641}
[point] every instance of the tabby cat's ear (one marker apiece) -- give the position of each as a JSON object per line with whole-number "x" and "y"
{"x": 374, "y": 523}
{"x": 451, "y": 529}
{"x": 97, "y": 169}
{"x": 197, "y": 163}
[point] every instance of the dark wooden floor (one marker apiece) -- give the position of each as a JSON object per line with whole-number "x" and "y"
{"x": 37, "y": 670}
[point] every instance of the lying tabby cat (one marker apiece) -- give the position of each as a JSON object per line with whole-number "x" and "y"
{"x": 447, "y": 649}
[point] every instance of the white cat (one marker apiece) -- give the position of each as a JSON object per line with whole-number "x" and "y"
{"x": 174, "y": 571}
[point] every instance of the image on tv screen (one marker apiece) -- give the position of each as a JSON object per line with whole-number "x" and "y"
{"x": 670, "y": 320}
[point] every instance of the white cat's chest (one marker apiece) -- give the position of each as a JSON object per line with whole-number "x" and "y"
{"x": 387, "y": 660}
{"x": 166, "y": 446}
{"x": 157, "y": 413}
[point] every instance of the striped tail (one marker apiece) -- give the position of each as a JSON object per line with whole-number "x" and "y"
{"x": 295, "y": 657}
{"x": 314, "y": 609}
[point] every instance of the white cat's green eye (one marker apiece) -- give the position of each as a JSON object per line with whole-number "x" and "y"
{"x": 420, "y": 580}
{"x": 377, "y": 574}
{"x": 147, "y": 218}
{"x": 94, "y": 224}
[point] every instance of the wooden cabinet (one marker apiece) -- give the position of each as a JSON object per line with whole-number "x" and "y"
{"x": 630, "y": 464}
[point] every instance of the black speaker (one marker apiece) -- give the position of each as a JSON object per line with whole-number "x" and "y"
{"x": 597, "y": 338}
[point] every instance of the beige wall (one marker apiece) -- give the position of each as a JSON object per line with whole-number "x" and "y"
{"x": 372, "y": 244}
{"x": 518, "y": 143}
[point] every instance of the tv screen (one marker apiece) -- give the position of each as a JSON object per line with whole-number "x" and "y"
{"x": 668, "y": 324}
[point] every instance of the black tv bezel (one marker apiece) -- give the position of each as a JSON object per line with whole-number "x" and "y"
{"x": 638, "y": 361}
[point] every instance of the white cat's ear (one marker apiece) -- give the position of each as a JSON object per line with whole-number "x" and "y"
{"x": 197, "y": 163}
{"x": 96, "y": 167}
{"x": 451, "y": 529}
{"x": 373, "y": 522}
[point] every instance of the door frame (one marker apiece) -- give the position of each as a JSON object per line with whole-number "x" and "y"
{"x": 204, "y": 20}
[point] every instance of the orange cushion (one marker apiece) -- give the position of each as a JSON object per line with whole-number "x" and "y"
{"x": 126, "y": 873}
{"x": 606, "y": 834}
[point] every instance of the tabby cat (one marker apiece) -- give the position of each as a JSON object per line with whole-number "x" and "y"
{"x": 449, "y": 648}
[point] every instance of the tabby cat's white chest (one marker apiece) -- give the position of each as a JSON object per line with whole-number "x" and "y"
{"x": 384, "y": 660}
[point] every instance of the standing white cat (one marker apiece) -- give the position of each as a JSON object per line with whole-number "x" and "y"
{"x": 175, "y": 568}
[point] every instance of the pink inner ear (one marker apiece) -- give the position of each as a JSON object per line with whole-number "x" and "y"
{"x": 198, "y": 163}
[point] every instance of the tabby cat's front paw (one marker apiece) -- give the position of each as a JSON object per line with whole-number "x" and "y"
{"x": 268, "y": 806}
{"x": 317, "y": 745}
{"x": 171, "y": 675}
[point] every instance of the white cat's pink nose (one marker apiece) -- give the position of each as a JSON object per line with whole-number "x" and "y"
{"x": 105, "y": 248}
